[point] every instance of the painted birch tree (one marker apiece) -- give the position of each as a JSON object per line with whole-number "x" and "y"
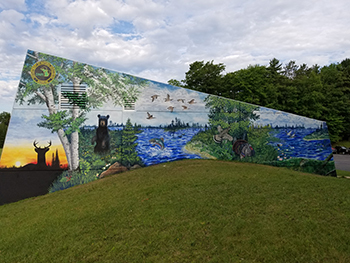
{"x": 104, "y": 86}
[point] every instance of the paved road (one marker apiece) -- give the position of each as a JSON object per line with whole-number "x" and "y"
{"x": 342, "y": 162}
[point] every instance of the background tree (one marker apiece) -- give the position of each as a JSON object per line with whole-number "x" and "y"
{"x": 175, "y": 82}
{"x": 4, "y": 122}
{"x": 205, "y": 77}
{"x": 336, "y": 102}
{"x": 251, "y": 85}
{"x": 317, "y": 92}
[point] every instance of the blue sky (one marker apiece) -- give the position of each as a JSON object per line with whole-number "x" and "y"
{"x": 157, "y": 39}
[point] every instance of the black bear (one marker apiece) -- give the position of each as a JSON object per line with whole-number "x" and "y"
{"x": 102, "y": 137}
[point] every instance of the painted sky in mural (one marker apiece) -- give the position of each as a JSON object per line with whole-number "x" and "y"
{"x": 19, "y": 149}
{"x": 269, "y": 116}
{"x": 187, "y": 106}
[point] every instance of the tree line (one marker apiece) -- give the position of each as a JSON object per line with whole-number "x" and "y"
{"x": 4, "y": 122}
{"x": 316, "y": 92}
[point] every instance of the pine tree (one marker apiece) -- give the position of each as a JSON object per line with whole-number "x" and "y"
{"x": 127, "y": 150}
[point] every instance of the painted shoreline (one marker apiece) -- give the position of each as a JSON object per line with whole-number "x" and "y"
{"x": 316, "y": 139}
{"x": 194, "y": 148}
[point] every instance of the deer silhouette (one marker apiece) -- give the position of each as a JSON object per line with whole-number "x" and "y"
{"x": 41, "y": 151}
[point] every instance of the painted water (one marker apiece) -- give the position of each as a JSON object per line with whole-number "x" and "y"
{"x": 174, "y": 143}
{"x": 290, "y": 143}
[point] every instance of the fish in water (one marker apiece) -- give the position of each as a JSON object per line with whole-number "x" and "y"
{"x": 243, "y": 149}
{"x": 157, "y": 141}
{"x": 223, "y": 135}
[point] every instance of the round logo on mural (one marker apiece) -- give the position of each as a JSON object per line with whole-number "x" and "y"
{"x": 43, "y": 72}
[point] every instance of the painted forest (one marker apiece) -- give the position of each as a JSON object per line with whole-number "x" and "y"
{"x": 316, "y": 92}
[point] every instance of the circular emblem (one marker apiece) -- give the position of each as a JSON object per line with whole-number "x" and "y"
{"x": 43, "y": 72}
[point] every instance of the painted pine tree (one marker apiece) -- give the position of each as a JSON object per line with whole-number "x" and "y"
{"x": 128, "y": 155}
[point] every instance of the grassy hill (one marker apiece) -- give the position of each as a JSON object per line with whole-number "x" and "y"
{"x": 185, "y": 211}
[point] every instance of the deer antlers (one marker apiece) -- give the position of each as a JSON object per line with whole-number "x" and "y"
{"x": 35, "y": 145}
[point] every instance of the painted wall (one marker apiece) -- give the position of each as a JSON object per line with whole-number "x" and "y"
{"x": 75, "y": 122}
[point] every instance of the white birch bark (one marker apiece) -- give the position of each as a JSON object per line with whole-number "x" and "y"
{"x": 74, "y": 144}
{"x": 50, "y": 103}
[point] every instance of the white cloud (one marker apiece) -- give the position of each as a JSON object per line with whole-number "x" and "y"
{"x": 82, "y": 16}
{"x": 13, "y": 4}
{"x": 159, "y": 39}
{"x": 7, "y": 93}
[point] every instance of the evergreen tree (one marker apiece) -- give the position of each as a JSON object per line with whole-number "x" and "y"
{"x": 127, "y": 149}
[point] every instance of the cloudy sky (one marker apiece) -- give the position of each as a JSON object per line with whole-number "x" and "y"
{"x": 158, "y": 39}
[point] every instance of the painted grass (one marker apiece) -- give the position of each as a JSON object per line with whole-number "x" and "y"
{"x": 186, "y": 211}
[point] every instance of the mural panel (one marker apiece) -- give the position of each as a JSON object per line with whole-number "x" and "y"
{"x": 82, "y": 123}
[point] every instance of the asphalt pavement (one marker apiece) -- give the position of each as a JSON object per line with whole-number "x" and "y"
{"x": 342, "y": 162}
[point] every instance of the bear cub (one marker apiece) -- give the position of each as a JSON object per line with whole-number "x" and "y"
{"x": 102, "y": 137}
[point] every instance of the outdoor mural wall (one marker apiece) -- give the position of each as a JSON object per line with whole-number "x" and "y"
{"x": 80, "y": 122}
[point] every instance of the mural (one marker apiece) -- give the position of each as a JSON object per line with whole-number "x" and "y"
{"x": 80, "y": 123}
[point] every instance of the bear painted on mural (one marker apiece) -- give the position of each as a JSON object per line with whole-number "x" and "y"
{"x": 102, "y": 137}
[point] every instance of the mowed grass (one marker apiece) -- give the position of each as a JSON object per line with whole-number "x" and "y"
{"x": 341, "y": 173}
{"x": 185, "y": 211}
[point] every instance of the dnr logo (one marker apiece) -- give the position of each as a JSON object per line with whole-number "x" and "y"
{"x": 43, "y": 72}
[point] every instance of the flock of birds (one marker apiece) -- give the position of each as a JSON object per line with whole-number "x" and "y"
{"x": 170, "y": 108}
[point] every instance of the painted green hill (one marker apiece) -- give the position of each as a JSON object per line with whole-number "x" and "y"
{"x": 186, "y": 211}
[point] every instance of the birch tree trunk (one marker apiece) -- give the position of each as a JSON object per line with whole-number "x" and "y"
{"x": 50, "y": 103}
{"x": 74, "y": 143}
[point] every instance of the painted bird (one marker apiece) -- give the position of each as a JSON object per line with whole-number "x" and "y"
{"x": 182, "y": 100}
{"x": 191, "y": 102}
{"x": 150, "y": 116}
{"x": 223, "y": 135}
{"x": 185, "y": 107}
{"x": 171, "y": 108}
{"x": 167, "y": 98}
{"x": 154, "y": 97}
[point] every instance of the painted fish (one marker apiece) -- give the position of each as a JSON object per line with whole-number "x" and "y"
{"x": 243, "y": 148}
{"x": 158, "y": 141}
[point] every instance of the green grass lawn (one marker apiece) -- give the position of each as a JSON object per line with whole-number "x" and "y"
{"x": 185, "y": 211}
{"x": 343, "y": 173}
